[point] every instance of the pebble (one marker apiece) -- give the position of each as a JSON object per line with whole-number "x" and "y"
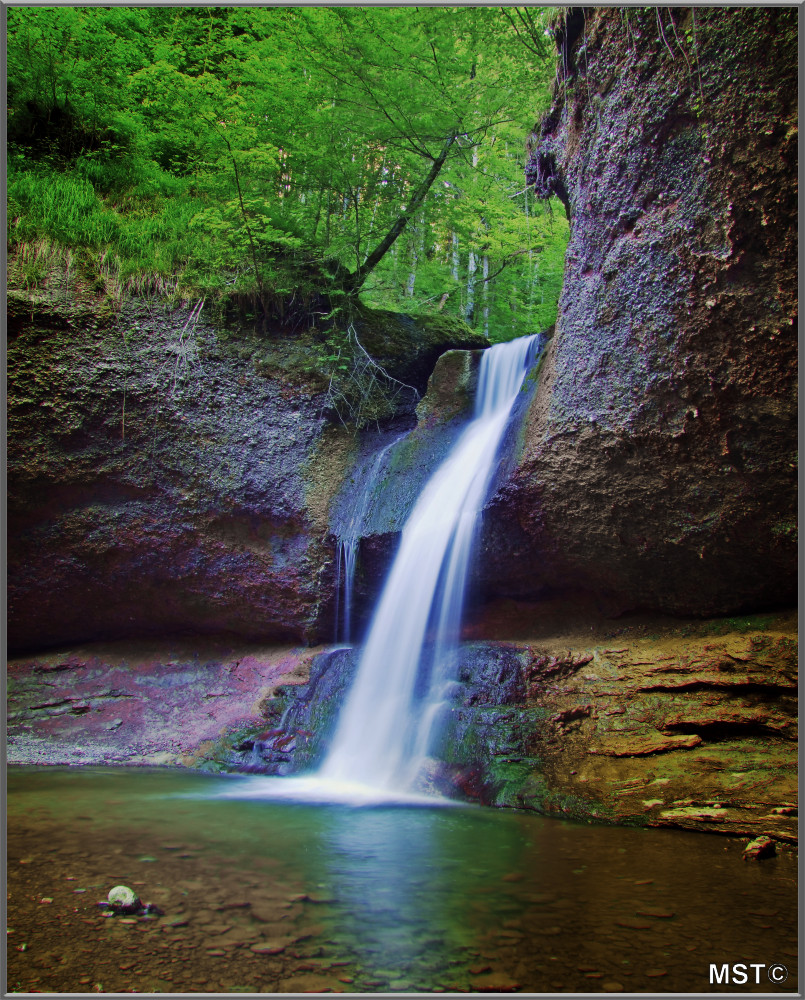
{"x": 656, "y": 973}
{"x": 476, "y": 970}
{"x": 633, "y": 925}
{"x": 759, "y": 848}
{"x": 216, "y": 952}
{"x": 612, "y": 987}
{"x": 123, "y": 898}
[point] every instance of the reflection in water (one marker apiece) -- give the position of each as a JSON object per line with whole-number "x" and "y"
{"x": 281, "y": 896}
{"x": 399, "y": 878}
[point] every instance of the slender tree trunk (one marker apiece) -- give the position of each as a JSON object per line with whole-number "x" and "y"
{"x": 471, "y": 268}
{"x": 513, "y": 306}
{"x": 486, "y": 296}
{"x": 419, "y": 249}
{"x": 356, "y": 198}
{"x": 318, "y": 212}
{"x": 375, "y": 206}
{"x": 357, "y": 279}
{"x": 456, "y": 258}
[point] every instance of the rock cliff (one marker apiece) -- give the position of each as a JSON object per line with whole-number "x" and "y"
{"x": 169, "y": 474}
{"x": 659, "y": 465}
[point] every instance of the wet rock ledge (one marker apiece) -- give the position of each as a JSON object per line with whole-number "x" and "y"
{"x": 646, "y": 721}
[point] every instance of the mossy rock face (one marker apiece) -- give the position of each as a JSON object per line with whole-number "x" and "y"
{"x": 297, "y": 727}
{"x": 451, "y": 387}
{"x": 407, "y": 347}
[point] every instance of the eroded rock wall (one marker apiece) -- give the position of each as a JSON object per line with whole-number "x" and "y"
{"x": 659, "y": 467}
{"x": 156, "y": 482}
{"x": 167, "y": 474}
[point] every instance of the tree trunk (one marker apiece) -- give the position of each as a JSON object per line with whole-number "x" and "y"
{"x": 471, "y": 268}
{"x": 355, "y": 280}
{"x": 419, "y": 249}
{"x": 456, "y": 258}
{"x": 486, "y": 296}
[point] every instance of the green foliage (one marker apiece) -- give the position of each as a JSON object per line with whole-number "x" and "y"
{"x": 273, "y": 152}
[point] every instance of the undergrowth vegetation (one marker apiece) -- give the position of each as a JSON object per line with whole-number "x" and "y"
{"x": 285, "y": 159}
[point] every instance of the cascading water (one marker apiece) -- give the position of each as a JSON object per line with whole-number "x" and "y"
{"x": 388, "y": 723}
{"x": 385, "y": 728}
{"x": 347, "y": 546}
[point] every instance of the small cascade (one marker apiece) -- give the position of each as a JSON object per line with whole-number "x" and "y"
{"x": 349, "y": 538}
{"x": 345, "y": 561}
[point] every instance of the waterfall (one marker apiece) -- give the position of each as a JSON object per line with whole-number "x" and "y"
{"x": 349, "y": 537}
{"x": 387, "y": 726}
{"x": 384, "y": 730}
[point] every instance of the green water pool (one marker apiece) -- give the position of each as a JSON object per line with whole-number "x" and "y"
{"x": 260, "y": 896}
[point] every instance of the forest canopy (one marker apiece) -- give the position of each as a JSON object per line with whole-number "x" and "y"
{"x": 272, "y": 152}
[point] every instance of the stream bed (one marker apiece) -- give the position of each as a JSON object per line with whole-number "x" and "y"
{"x": 260, "y": 896}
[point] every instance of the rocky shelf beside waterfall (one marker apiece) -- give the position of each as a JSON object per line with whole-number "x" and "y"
{"x": 647, "y": 721}
{"x": 169, "y": 473}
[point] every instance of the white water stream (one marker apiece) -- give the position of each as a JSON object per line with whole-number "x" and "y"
{"x": 348, "y": 542}
{"x": 407, "y": 667}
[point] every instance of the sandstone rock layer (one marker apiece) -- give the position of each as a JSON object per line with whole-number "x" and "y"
{"x": 655, "y": 722}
